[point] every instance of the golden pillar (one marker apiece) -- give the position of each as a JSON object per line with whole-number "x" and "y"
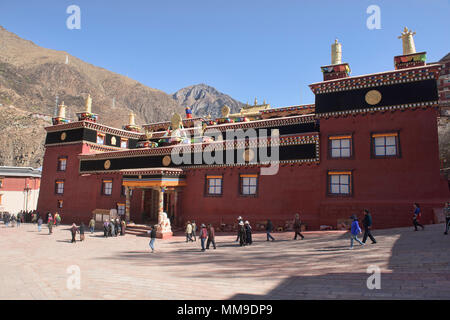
{"x": 408, "y": 41}
{"x": 127, "y": 204}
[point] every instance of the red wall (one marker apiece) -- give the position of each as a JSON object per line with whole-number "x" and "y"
{"x": 19, "y": 183}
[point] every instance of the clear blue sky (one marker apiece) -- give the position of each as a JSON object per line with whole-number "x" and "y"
{"x": 266, "y": 49}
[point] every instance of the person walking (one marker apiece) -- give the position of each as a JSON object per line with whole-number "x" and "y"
{"x": 152, "y": 233}
{"x": 269, "y": 229}
{"x": 50, "y": 225}
{"x": 194, "y": 230}
{"x": 92, "y": 225}
{"x": 39, "y": 223}
{"x": 367, "y": 223}
{"x": 447, "y": 217}
{"x": 354, "y": 231}
{"x": 239, "y": 220}
{"x": 242, "y": 235}
{"x": 82, "y": 227}
{"x": 189, "y": 232}
{"x": 124, "y": 226}
{"x": 73, "y": 230}
{"x": 248, "y": 233}
{"x": 19, "y": 219}
{"x": 203, "y": 235}
{"x": 105, "y": 229}
{"x": 297, "y": 226}
{"x": 57, "y": 219}
{"x": 416, "y": 217}
{"x": 111, "y": 228}
{"x": 211, "y": 237}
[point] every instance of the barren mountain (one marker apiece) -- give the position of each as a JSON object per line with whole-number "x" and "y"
{"x": 205, "y": 100}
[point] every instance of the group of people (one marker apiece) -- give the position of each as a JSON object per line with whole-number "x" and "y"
{"x": 74, "y": 229}
{"x": 355, "y": 230}
{"x": 112, "y": 228}
{"x": 206, "y": 234}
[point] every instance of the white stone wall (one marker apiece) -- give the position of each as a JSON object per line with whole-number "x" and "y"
{"x": 15, "y": 201}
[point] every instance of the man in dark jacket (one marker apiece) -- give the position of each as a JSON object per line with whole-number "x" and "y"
{"x": 367, "y": 223}
{"x": 269, "y": 229}
{"x": 211, "y": 237}
{"x": 152, "y": 233}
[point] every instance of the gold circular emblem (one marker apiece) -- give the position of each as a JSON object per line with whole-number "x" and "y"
{"x": 113, "y": 140}
{"x": 63, "y": 136}
{"x": 248, "y": 155}
{"x": 107, "y": 164}
{"x": 373, "y": 97}
{"x": 166, "y": 161}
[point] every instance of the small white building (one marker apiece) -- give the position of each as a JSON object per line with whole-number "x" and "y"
{"x": 19, "y": 189}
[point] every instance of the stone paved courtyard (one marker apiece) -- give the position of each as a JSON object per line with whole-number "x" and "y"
{"x": 34, "y": 265}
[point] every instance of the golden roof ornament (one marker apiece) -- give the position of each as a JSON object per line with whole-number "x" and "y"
{"x": 256, "y": 102}
{"x": 336, "y": 52}
{"x": 176, "y": 121}
{"x": 225, "y": 111}
{"x": 148, "y": 134}
{"x": 62, "y": 110}
{"x": 408, "y": 41}
{"x": 131, "y": 119}
{"x": 88, "y": 104}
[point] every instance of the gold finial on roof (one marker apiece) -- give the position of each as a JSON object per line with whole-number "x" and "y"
{"x": 225, "y": 111}
{"x": 148, "y": 134}
{"x": 131, "y": 119}
{"x": 256, "y": 101}
{"x": 264, "y": 102}
{"x": 336, "y": 52}
{"x": 62, "y": 110}
{"x": 176, "y": 121}
{"x": 88, "y": 104}
{"x": 408, "y": 41}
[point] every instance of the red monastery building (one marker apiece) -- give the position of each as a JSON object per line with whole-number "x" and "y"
{"x": 368, "y": 142}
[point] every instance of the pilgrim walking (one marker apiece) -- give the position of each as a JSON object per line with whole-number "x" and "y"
{"x": 73, "y": 230}
{"x": 203, "y": 235}
{"x": 211, "y": 237}
{"x": 248, "y": 233}
{"x": 416, "y": 217}
{"x": 152, "y": 233}
{"x": 354, "y": 231}
{"x": 82, "y": 227}
{"x": 367, "y": 223}
{"x": 297, "y": 226}
{"x": 269, "y": 229}
{"x": 242, "y": 236}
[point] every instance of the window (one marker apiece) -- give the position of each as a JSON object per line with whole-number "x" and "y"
{"x": 123, "y": 143}
{"x": 107, "y": 187}
{"x": 385, "y": 145}
{"x": 121, "y": 209}
{"x": 249, "y": 183}
{"x": 339, "y": 183}
{"x": 59, "y": 204}
{"x": 340, "y": 146}
{"x": 214, "y": 185}
{"x": 59, "y": 186}
{"x": 100, "y": 138}
{"x": 62, "y": 164}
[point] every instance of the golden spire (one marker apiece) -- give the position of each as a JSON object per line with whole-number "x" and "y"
{"x": 256, "y": 101}
{"x": 336, "y": 52}
{"x": 88, "y": 105}
{"x": 264, "y": 102}
{"x": 62, "y": 110}
{"x": 408, "y": 41}
{"x": 131, "y": 119}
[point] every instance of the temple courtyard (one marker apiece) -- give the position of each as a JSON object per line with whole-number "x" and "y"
{"x": 36, "y": 265}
